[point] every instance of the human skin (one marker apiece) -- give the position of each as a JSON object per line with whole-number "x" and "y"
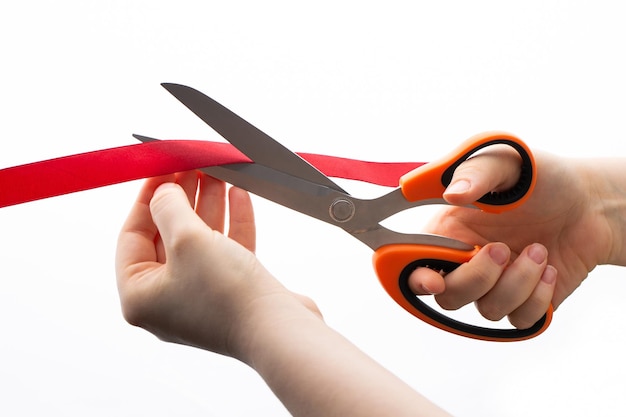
{"x": 182, "y": 279}
{"x": 538, "y": 253}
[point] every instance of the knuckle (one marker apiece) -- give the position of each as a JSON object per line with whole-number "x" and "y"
{"x": 185, "y": 241}
{"x": 475, "y": 282}
{"x": 490, "y": 310}
{"x": 447, "y": 303}
{"x": 521, "y": 323}
{"x": 527, "y": 315}
{"x": 483, "y": 278}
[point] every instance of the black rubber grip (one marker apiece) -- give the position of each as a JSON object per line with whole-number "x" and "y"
{"x": 447, "y": 322}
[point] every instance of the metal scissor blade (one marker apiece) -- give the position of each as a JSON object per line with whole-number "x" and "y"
{"x": 318, "y": 202}
{"x": 295, "y": 193}
{"x": 307, "y": 197}
{"x": 144, "y": 139}
{"x": 254, "y": 143}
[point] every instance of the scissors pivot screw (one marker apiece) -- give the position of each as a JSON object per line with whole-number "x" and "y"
{"x": 342, "y": 210}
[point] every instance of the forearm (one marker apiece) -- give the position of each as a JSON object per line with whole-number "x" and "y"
{"x": 317, "y": 372}
{"x": 607, "y": 183}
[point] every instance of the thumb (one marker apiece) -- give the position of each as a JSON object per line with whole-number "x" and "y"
{"x": 172, "y": 213}
{"x": 496, "y": 169}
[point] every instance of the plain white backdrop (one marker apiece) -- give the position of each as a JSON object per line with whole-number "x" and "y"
{"x": 383, "y": 81}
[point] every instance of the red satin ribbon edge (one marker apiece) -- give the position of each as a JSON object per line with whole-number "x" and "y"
{"x": 84, "y": 171}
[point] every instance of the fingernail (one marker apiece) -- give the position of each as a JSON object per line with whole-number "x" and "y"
{"x": 458, "y": 187}
{"x": 165, "y": 186}
{"x": 499, "y": 254}
{"x": 538, "y": 253}
{"x": 428, "y": 290}
{"x": 549, "y": 275}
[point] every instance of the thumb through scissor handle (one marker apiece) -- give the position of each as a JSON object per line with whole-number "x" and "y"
{"x": 429, "y": 181}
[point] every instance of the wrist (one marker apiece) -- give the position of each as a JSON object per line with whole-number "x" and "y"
{"x": 607, "y": 197}
{"x": 314, "y": 370}
{"x": 268, "y": 317}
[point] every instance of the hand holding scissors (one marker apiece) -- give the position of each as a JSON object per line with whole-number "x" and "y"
{"x": 281, "y": 176}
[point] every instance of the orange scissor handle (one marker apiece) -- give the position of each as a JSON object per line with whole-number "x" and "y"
{"x": 395, "y": 263}
{"x": 430, "y": 180}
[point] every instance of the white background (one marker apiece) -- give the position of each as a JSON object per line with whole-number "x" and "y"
{"x": 384, "y": 81}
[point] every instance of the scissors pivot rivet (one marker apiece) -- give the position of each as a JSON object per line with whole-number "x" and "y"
{"x": 342, "y": 210}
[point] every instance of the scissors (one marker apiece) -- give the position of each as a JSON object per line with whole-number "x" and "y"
{"x": 279, "y": 175}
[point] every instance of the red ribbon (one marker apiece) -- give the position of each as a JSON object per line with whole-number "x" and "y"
{"x": 85, "y": 171}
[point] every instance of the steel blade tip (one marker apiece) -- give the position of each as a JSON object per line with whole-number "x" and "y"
{"x": 172, "y": 86}
{"x": 144, "y": 139}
